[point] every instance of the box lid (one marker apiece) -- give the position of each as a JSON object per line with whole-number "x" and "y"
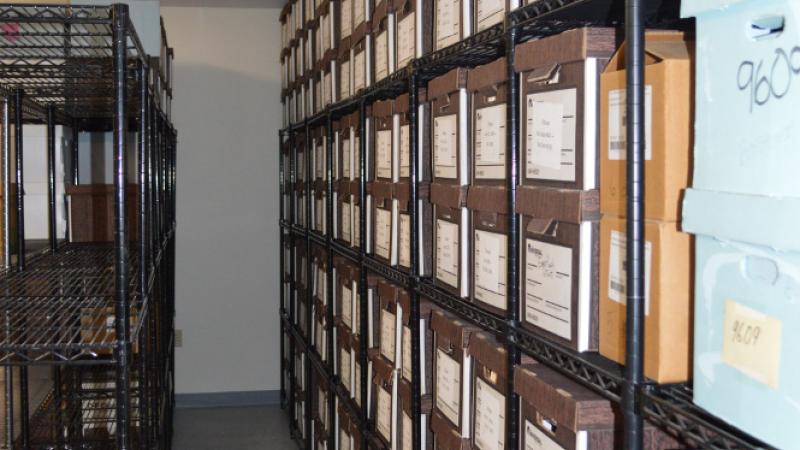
{"x": 488, "y": 75}
{"x": 492, "y": 354}
{"x": 380, "y": 189}
{"x": 561, "y": 400}
{"x": 659, "y": 46}
{"x": 382, "y": 108}
{"x": 755, "y": 219}
{"x": 450, "y": 82}
{"x": 488, "y": 198}
{"x": 569, "y": 46}
{"x": 454, "y": 330}
{"x": 449, "y": 195}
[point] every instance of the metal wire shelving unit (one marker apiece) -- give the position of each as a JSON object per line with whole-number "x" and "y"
{"x": 667, "y": 406}
{"x": 100, "y": 315}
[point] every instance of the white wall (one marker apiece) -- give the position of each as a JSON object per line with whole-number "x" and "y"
{"x": 227, "y": 113}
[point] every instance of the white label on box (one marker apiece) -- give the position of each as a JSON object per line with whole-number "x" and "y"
{"x": 490, "y": 142}
{"x": 617, "y": 270}
{"x": 346, "y": 18}
{"x": 382, "y": 55}
{"x": 406, "y": 350}
{"x": 490, "y": 268}
{"x": 405, "y": 150}
{"x": 346, "y": 233}
{"x": 447, "y": 252}
{"x": 344, "y": 440}
{"x": 545, "y": 133}
{"x": 344, "y": 79}
{"x": 388, "y": 334}
{"x": 405, "y": 240}
{"x": 358, "y": 12}
{"x": 490, "y": 417}
{"x": 445, "y": 146}
{"x": 347, "y": 306}
{"x": 408, "y": 432}
{"x": 448, "y": 22}
{"x": 406, "y": 45}
{"x": 356, "y": 227}
{"x": 448, "y": 386}
{"x": 360, "y": 71}
{"x": 536, "y": 439}
{"x": 618, "y": 124}
{"x": 548, "y": 287}
{"x": 384, "y": 421}
{"x": 489, "y": 12}
{"x": 383, "y": 147}
{"x": 383, "y": 233}
{"x": 751, "y": 343}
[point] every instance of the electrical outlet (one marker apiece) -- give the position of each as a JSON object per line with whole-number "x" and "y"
{"x": 178, "y": 338}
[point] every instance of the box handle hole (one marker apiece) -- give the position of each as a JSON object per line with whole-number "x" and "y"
{"x": 766, "y": 28}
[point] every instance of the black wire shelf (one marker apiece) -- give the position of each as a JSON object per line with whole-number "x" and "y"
{"x": 386, "y": 271}
{"x": 348, "y": 252}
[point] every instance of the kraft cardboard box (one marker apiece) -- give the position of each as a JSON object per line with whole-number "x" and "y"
{"x": 452, "y": 22}
{"x": 450, "y": 144}
{"x": 488, "y": 88}
{"x": 414, "y": 30}
{"x": 384, "y": 36}
{"x": 746, "y": 258}
{"x": 451, "y": 238}
{"x": 488, "y": 207}
{"x": 668, "y": 127}
{"x": 668, "y": 297}
{"x": 560, "y": 251}
{"x": 490, "y": 392}
{"x": 560, "y": 77}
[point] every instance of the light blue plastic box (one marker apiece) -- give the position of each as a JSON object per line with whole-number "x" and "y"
{"x": 748, "y": 252}
{"x": 747, "y": 90}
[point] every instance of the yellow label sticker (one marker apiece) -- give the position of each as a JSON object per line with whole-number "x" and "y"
{"x": 752, "y": 343}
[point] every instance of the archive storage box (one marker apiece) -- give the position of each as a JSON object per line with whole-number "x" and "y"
{"x": 346, "y": 280}
{"x": 402, "y": 133}
{"x": 488, "y": 207}
{"x": 451, "y": 238}
{"x": 390, "y": 315}
{"x": 320, "y": 435}
{"x": 560, "y": 260}
{"x": 488, "y": 13}
{"x": 452, "y": 22}
{"x": 355, "y": 200}
{"x": 362, "y": 57}
{"x": 414, "y": 30}
{"x": 383, "y": 149}
{"x": 560, "y": 78}
{"x": 383, "y": 32}
{"x": 320, "y": 210}
{"x": 344, "y": 213}
{"x": 384, "y": 236}
{"x": 402, "y": 255}
{"x": 344, "y": 69}
{"x": 356, "y": 134}
{"x": 425, "y": 354}
{"x": 450, "y": 127}
{"x": 487, "y": 86}
{"x": 384, "y": 403}
{"x": 452, "y": 389}
{"x": 355, "y": 341}
{"x": 343, "y": 433}
{"x": 745, "y": 341}
{"x": 405, "y": 421}
{"x": 344, "y": 358}
{"x": 490, "y": 385}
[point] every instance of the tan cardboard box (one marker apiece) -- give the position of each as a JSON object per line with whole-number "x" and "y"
{"x": 668, "y": 294}
{"x": 668, "y": 127}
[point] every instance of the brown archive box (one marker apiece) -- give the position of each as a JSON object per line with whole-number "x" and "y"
{"x": 384, "y": 402}
{"x": 355, "y": 200}
{"x": 321, "y": 329}
{"x": 405, "y": 418}
{"x": 384, "y": 242}
{"x": 668, "y": 297}
{"x": 402, "y": 255}
{"x": 343, "y": 212}
{"x": 345, "y": 283}
{"x": 488, "y": 13}
{"x": 450, "y": 127}
{"x": 389, "y": 319}
{"x": 414, "y": 27}
{"x": 356, "y": 134}
{"x": 320, "y": 210}
{"x": 320, "y": 435}
{"x": 373, "y": 316}
{"x": 425, "y": 354}
{"x": 355, "y": 342}
{"x": 452, "y": 22}
{"x": 490, "y": 392}
{"x": 402, "y": 131}
{"x": 559, "y": 255}
{"x": 341, "y": 136}
{"x": 343, "y": 419}
{"x": 668, "y": 127}
{"x": 319, "y": 140}
{"x": 488, "y": 207}
{"x": 452, "y": 369}
{"x": 488, "y": 90}
{"x": 344, "y": 144}
{"x": 320, "y": 269}
{"x": 560, "y": 79}
{"x": 362, "y": 57}
{"x": 451, "y": 238}
{"x": 344, "y": 69}
{"x": 383, "y": 151}
{"x": 383, "y": 38}
{"x": 344, "y": 358}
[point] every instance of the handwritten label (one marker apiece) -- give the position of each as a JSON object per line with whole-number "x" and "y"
{"x": 548, "y": 287}
{"x": 406, "y": 351}
{"x": 490, "y": 417}
{"x": 617, "y": 270}
{"x": 383, "y": 232}
{"x": 489, "y": 12}
{"x": 383, "y": 147}
{"x": 448, "y": 22}
{"x": 360, "y": 71}
{"x": 388, "y": 334}
{"x": 447, "y": 252}
{"x": 445, "y": 146}
{"x": 763, "y": 81}
{"x": 344, "y": 80}
{"x": 490, "y": 142}
{"x": 406, "y": 40}
{"x": 405, "y": 241}
{"x": 536, "y": 439}
{"x": 384, "y": 407}
{"x": 618, "y": 124}
{"x": 448, "y": 386}
{"x": 490, "y": 268}
{"x": 405, "y": 151}
{"x": 382, "y": 55}
{"x": 751, "y": 343}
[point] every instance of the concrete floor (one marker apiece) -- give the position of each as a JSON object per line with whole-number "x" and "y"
{"x": 249, "y": 428}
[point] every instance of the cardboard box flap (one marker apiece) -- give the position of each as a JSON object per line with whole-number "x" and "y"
{"x": 320, "y": 433}
{"x": 425, "y": 308}
{"x": 448, "y": 83}
{"x": 360, "y": 33}
{"x": 344, "y": 48}
{"x": 755, "y": 219}
{"x": 492, "y": 354}
{"x": 569, "y": 46}
{"x": 380, "y": 189}
{"x": 488, "y": 76}
{"x": 388, "y": 292}
{"x": 381, "y": 13}
{"x": 383, "y": 372}
{"x": 402, "y": 191}
{"x": 383, "y": 108}
{"x": 355, "y": 191}
{"x": 449, "y": 195}
{"x": 659, "y": 46}
{"x": 698, "y": 7}
{"x": 344, "y": 336}
{"x": 342, "y": 187}
{"x": 447, "y": 438}
{"x": 558, "y": 205}
{"x": 488, "y": 198}
{"x": 401, "y": 102}
{"x": 562, "y": 401}
{"x": 453, "y": 330}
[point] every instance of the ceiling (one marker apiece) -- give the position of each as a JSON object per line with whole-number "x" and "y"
{"x": 226, "y": 3}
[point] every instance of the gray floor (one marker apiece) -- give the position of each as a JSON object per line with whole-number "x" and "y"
{"x": 249, "y": 428}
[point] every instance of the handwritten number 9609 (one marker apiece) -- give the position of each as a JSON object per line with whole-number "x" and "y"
{"x": 765, "y": 82}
